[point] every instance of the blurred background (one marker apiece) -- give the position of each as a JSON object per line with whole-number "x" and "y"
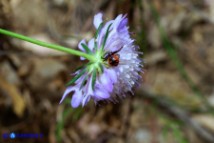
{"x": 174, "y": 104}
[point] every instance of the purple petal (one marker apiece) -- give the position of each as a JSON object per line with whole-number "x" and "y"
{"x": 76, "y": 99}
{"x": 81, "y": 48}
{"x": 85, "y": 100}
{"x": 119, "y": 36}
{"x": 117, "y": 21}
{"x": 122, "y": 25}
{"x": 112, "y": 74}
{"x": 101, "y": 94}
{"x": 123, "y": 32}
{"x": 67, "y": 91}
{"x": 80, "y": 80}
{"x": 88, "y": 87}
{"x": 98, "y": 20}
{"x": 103, "y": 32}
{"x": 91, "y": 44}
{"x": 89, "y": 92}
{"x": 106, "y": 82}
{"x": 114, "y": 43}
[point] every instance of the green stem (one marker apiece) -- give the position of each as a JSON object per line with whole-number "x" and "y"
{"x": 47, "y": 45}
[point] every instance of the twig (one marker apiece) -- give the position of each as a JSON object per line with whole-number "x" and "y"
{"x": 178, "y": 113}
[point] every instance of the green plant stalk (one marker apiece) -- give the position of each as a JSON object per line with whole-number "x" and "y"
{"x": 47, "y": 45}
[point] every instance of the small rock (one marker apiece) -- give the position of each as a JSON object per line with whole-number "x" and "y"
{"x": 44, "y": 71}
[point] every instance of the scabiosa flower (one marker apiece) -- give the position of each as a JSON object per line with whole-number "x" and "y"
{"x": 116, "y": 66}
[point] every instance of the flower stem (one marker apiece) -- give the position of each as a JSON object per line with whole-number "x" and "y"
{"x": 47, "y": 45}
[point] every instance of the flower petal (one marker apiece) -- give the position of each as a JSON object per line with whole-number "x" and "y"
{"x": 103, "y": 32}
{"x": 89, "y": 92}
{"x": 98, "y": 20}
{"x": 85, "y": 100}
{"x": 112, "y": 75}
{"x": 122, "y": 26}
{"x": 123, "y": 33}
{"x": 101, "y": 94}
{"x": 81, "y": 48}
{"x": 114, "y": 43}
{"x": 76, "y": 99}
{"x": 117, "y": 21}
{"x": 67, "y": 91}
{"x": 91, "y": 44}
{"x": 106, "y": 82}
{"x": 89, "y": 87}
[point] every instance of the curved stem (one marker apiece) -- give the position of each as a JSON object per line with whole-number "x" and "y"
{"x": 47, "y": 45}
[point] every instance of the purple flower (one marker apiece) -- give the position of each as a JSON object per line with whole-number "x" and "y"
{"x": 116, "y": 69}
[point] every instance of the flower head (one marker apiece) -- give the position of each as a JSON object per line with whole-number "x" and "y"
{"x": 115, "y": 69}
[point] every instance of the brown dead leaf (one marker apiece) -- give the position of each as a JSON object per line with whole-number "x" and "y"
{"x": 18, "y": 102}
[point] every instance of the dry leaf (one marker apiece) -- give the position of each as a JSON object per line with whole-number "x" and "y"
{"x": 16, "y": 97}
